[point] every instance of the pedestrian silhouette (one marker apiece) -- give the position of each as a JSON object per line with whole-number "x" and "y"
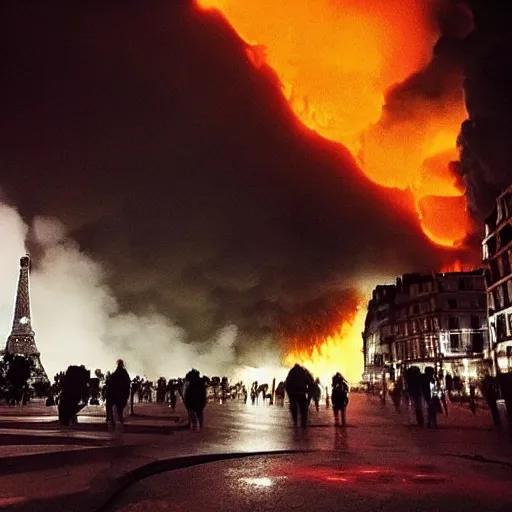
{"x": 339, "y": 398}
{"x": 316, "y": 393}
{"x": 194, "y": 397}
{"x": 413, "y": 379}
{"x": 430, "y": 394}
{"x": 490, "y": 390}
{"x": 299, "y": 385}
{"x": 118, "y": 392}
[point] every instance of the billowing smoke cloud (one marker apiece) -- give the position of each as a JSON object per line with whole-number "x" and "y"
{"x": 77, "y": 319}
{"x": 426, "y": 110}
{"x": 486, "y": 160}
{"x": 209, "y": 211}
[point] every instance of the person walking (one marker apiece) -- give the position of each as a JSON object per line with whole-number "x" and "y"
{"x": 339, "y": 399}
{"x": 490, "y": 391}
{"x": 430, "y": 395}
{"x": 413, "y": 379}
{"x": 299, "y": 385}
{"x": 194, "y": 398}
{"x": 118, "y": 392}
{"x": 472, "y": 398}
{"x": 316, "y": 394}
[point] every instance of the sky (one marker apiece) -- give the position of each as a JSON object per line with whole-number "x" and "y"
{"x": 175, "y": 204}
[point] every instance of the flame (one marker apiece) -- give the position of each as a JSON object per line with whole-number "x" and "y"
{"x": 337, "y": 352}
{"x": 457, "y": 266}
{"x": 336, "y": 60}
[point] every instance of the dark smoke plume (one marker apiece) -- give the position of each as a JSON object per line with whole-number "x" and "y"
{"x": 485, "y": 138}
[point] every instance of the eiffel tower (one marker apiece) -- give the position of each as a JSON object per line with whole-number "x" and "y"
{"x": 22, "y": 341}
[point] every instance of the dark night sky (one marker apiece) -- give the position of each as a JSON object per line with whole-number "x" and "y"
{"x": 175, "y": 163}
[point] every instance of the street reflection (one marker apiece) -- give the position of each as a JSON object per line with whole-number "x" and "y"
{"x": 258, "y": 482}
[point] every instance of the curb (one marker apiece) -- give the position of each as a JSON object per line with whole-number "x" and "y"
{"x": 161, "y": 466}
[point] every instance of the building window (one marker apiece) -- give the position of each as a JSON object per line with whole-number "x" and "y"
{"x": 505, "y": 235}
{"x": 490, "y": 299}
{"x": 506, "y": 297}
{"x": 501, "y": 327}
{"x": 436, "y": 323}
{"x": 506, "y": 264}
{"x": 452, "y": 303}
{"x": 499, "y": 300}
{"x": 500, "y": 268}
{"x": 475, "y": 322}
{"x": 478, "y": 303}
{"x": 477, "y": 342}
{"x": 509, "y": 288}
{"x": 491, "y": 244}
{"x": 495, "y": 275}
{"x": 454, "y": 342}
{"x": 453, "y": 323}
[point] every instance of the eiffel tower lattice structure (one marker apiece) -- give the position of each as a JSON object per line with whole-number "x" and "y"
{"x": 22, "y": 340}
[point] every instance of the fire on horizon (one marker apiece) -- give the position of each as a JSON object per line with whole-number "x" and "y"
{"x": 337, "y": 61}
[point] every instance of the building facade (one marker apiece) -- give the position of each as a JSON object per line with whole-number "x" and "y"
{"x": 436, "y": 320}
{"x": 497, "y": 255}
{"x": 377, "y": 332}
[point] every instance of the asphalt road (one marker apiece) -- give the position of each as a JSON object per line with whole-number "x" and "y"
{"x": 380, "y": 461}
{"x": 379, "y": 456}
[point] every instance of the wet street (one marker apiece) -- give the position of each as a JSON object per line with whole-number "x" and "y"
{"x": 379, "y": 461}
{"x": 252, "y": 458}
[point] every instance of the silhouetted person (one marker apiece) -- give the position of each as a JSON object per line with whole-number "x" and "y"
{"x": 173, "y": 397}
{"x": 413, "y": 379}
{"x": 299, "y": 384}
{"x": 74, "y": 394}
{"x": 448, "y": 380}
{"x": 396, "y": 393}
{"x": 339, "y": 398}
{"x": 491, "y": 394}
{"x": 254, "y": 392}
{"x": 428, "y": 391}
{"x": 472, "y": 398}
{"x": 316, "y": 393}
{"x": 135, "y": 388}
{"x": 442, "y": 392}
{"x": 280, "y": 393}
{"x": 118, "y": 391}
{"x": 194, "y": 397}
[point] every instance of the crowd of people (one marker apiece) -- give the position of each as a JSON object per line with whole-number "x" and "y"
{"x": 429, "y": 393}
{"x": 300, "y": 387}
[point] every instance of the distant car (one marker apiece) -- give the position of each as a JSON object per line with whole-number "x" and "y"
{"x": 94, "y": 401}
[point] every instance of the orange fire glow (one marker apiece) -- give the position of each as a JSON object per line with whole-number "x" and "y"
{"x": 336, "y": 59}
{"x": 337, "y": 352}
{"x": 458, "y": 266}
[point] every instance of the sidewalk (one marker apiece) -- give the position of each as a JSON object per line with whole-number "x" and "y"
{"x": 38, "y": 436}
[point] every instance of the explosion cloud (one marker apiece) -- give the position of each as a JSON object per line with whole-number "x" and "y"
{"x": 198, "y": 213}
{"x": 337, "y": 60}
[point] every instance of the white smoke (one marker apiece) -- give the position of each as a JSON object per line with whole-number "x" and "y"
{"x": 77, "y": 319}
